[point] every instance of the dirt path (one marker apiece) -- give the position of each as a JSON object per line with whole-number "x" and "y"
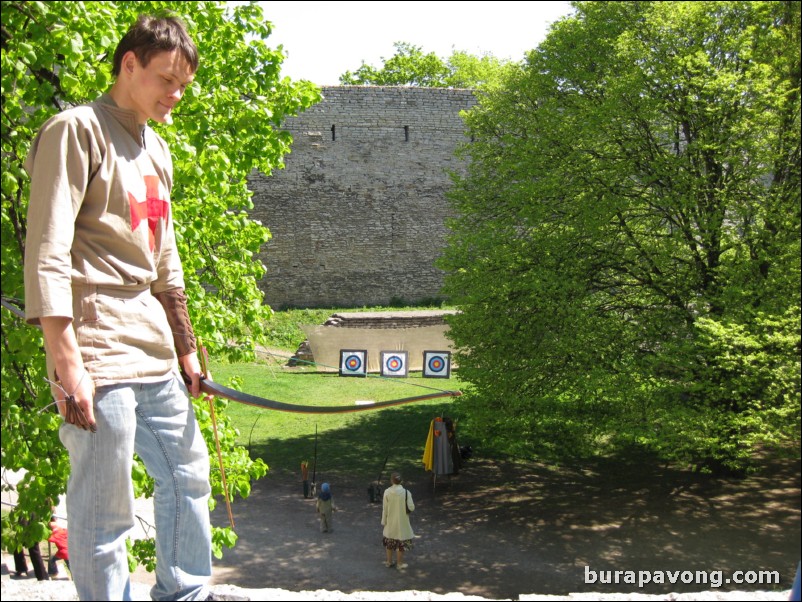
{"x": 500, "y": 530}
{"x": 504, "y": 531}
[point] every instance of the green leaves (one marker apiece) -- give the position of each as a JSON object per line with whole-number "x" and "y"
{"x": 220, "y": 538}
{"x": 411, "y": 67}
{"x": 625, "y": 217}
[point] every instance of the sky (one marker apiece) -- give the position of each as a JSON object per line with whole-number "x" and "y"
{"x": 323, "y": 40}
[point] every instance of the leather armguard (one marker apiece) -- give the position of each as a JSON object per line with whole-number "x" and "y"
{"x": 174, "y": 303}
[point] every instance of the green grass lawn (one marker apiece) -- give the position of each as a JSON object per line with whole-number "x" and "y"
{"x": 349, "y": 445}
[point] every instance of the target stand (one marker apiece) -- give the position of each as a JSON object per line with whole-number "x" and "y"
{"x": 394, "y": 364}
{"x": 353, "y": 362}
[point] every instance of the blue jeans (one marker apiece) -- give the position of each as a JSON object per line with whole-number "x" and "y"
{"x": 157, "y": 421}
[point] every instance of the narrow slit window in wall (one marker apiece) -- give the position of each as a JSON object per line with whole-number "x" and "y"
{"x": 333, "y": 133}
{"x": 406, "y": 133}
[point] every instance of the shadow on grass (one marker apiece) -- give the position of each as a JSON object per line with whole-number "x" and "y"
{"x": 500, "y": 528}
{"x": 359, "y": 450}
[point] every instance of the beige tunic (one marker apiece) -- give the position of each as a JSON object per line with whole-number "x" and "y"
{"x": 100, "y": 239}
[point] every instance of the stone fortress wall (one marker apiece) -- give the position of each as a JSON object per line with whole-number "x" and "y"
{"x": 358, "y": 214}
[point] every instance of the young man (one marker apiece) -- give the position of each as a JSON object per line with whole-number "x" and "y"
{"x": 104, "y": 281}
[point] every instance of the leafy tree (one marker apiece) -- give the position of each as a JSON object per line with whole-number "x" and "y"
{"x": 627, "y": 254}
{"x": 467, "y": 70}
{"x": 411, "y": 67}
{"x": 58, "y": 54}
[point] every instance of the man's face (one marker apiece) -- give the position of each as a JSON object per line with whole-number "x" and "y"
{"x": 154, "y": 90}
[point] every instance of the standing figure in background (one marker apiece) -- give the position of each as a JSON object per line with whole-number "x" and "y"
{"x": 58, "y": 537}
{"x": 324, "y": 506}
{"x": 397, "y": 533}
{"x": 21, "y": 563}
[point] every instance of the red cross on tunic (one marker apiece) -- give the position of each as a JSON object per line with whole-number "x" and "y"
{"x": 152, "y": 208}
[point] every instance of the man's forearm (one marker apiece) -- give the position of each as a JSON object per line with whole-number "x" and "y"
{"x": 62, "y": 347}
{"x": 74, "y": 388}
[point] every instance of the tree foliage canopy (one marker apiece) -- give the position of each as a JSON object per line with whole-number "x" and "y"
{"x": 410, "y": 66}
{"x": 627, "y": 254}
{"x": 58, "y": 54}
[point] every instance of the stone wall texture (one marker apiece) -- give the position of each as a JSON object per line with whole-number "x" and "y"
{"x": 358, "y": 214}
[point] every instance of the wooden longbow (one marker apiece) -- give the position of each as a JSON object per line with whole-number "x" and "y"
{"x": 210, "y": 387}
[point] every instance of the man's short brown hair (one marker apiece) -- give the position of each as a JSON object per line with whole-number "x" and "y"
{"x": 151, "y": 35}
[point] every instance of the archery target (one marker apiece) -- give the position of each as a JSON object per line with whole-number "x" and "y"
{"x": 436, "y": 364}
{"x": 353, "y": 362}
{"x": 394, "y": 363}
